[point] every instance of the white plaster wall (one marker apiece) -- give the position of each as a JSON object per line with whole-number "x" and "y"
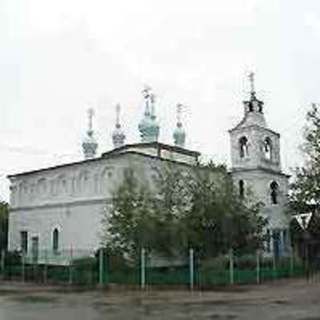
{"x": 82, "y": 181}
{"x": 78, "y": 225}
{"x": 258, "y": 181}
{"x": 256, "y": 136}
{"x": 74, "y": 206}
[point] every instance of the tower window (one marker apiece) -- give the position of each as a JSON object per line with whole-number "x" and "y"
{"x": 241, "y": 189}
{"x": 267, "y": 148}
{"x": 274, "y": 188}
{"x": 55, "y": 240}
{"x": 243, "y": 145}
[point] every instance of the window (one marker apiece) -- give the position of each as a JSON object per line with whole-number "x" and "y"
{"x": 267, "y": 148}
{"x": 55, "y": 240}
{"x": 243, "y": 145}
{"x": 274, "y": 188}
{"x": 241, "y": 189}
{"x": 24, "y": 241}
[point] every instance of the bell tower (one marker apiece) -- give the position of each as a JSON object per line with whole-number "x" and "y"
{"x": 253, "y": 144}
{"x": 256, "y": 169}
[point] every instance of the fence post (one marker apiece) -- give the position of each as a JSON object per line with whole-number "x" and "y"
{"x": 143, "y": 268}
{"x": 258, "y": 266}
{"x": 101, "y": 271}
{"x": 70, "y": 267}
{"x": 45, "y": 268}
{"x": 191, "y": 268}
{"x": 231, "y": 266}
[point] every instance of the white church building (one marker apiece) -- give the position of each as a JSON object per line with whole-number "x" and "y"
{"x": 60, "y": 208}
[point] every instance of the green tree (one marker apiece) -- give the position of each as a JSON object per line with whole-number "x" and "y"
{"x": 182, "y": 207}
{"x": 305, "y": 191}
{"x": 130, "y": 223}
{"x": 4, "y": 217}
{"x": 218, "y": 218}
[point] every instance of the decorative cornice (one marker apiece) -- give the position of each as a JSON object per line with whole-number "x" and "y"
{"x": 255, "y": 126}
{"x": 65, "y": 204}
{"x": 237, "y": 170}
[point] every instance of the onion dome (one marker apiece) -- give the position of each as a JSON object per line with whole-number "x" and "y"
{"x": 118, "y": 135}
{"x": 148, "y": 126}
{"x": 179, "y": 134}
{"x": 89, "y": 144}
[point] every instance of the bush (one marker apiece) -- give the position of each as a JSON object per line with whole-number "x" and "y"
{"x": 218, "y": 263}
{"x": 85, "y": 270}
{"x": 245, "y": 262}
{"x": 85, "y": 262}
{"x": 13, "y": 258}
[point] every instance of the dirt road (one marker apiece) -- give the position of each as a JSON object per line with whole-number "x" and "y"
{"x": 294, "y": 300}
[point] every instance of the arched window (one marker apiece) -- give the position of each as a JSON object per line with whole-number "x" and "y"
{"x": 267, "y": 148}
{"x": 243, "y": 147}
{"x": 274, "y": 190}
{"x": 241, "y": 189}
{"x": 55, "y": 240}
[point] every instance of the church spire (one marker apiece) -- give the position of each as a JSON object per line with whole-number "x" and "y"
{"x": 118, "y": 136}
{"x": 179, "y": 134}
{"x": 251, "y": 79}
{"x": 89, "y": 144}
{"x": 253, "y": 105}
{"x": 148, "y": 126}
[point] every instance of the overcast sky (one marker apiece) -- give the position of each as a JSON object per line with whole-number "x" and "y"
{"x": 59, "y": 57}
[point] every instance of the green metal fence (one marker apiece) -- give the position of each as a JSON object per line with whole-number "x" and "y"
{"x": 91, "y": 269}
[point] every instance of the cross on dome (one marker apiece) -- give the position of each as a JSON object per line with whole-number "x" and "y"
{"x": 251, "y": 79}
{"x": 90, "y": 112}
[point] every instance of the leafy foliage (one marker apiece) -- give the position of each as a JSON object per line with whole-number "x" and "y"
{"x": 181, "y": 208}
{"x": 305, "y": 191}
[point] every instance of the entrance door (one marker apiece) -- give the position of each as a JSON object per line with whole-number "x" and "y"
{"x": 35, "y": 249}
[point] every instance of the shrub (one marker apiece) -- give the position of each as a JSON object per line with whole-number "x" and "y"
{"x": 13, "y": 258}
{"x": 245, "y": 262}
{"x": 218, "y": 263}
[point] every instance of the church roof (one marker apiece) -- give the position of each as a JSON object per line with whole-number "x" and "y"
{"x": 155, "y": 144}
{"x": 119, "y": 152}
